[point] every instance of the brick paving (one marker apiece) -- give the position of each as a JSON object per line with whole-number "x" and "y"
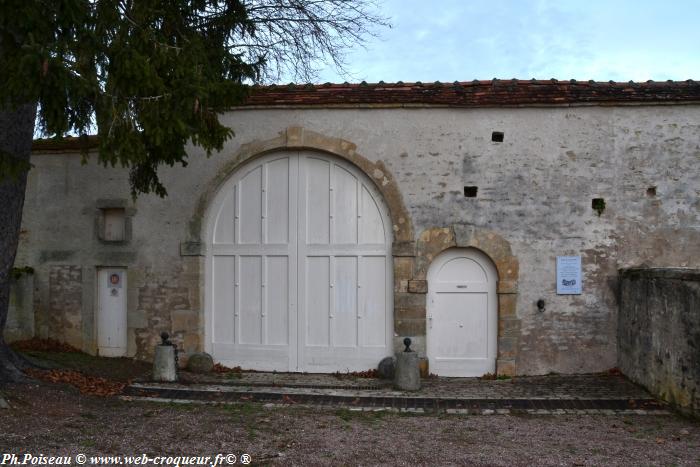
{"x": 554, "y": 394}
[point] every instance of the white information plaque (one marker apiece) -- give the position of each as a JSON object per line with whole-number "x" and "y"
{"x": 568, "y": 275}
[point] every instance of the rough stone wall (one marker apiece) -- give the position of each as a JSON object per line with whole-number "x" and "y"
{"x": 659, "y": 332}
{"x": 166, "y": 302}
{"x": 534, "y": 192}
{"x": 65, "y": 318}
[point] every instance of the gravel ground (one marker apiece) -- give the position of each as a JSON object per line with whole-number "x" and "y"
{"x": 54, "y": 419}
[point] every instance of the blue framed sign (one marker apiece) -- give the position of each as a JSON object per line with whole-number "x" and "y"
{"x": 569, "y": 275}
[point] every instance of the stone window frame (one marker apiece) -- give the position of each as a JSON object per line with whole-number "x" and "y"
{"x": 101, "y": 206}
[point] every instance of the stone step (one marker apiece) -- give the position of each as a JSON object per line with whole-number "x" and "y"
{"x": 368, "y": 384}
{"x": 392, "y": 400}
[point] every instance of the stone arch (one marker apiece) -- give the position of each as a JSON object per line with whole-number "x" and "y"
{"x": 432, "y": 242}
{"x": 296, "y": 138}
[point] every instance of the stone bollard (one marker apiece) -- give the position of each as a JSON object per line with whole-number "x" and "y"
{"x": 407, "y": 376}
{"x": 164, "y": 363}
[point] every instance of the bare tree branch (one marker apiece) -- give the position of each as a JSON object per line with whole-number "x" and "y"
{"x": 297, "y": 37}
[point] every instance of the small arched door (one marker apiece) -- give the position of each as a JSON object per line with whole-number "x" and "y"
{"x": 462, "y": 313}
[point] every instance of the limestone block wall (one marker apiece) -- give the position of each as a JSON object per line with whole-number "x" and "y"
{"x": 532, "y": 201}
{"x": 659, "y": 332}
{"x": 65, "y": 304}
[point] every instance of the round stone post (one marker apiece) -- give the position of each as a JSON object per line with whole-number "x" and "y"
{"x": 164, "y": 366}
{"x": 407, "y": 376}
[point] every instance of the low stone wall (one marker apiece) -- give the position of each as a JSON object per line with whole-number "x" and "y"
{"x": 20, "y": 316}
{"x": 659, "y": 333}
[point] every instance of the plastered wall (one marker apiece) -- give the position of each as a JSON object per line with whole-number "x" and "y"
{"x": 534, "y": 191}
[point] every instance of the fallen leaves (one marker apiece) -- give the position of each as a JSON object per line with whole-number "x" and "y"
{"x": 219, "y": 368}
{"x": 42, "y": 345}
{"x": 91, "y": 385}
{"x": 371, "y": 373}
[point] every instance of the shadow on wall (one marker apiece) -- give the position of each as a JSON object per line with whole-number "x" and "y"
{"x": 20, "y": 316}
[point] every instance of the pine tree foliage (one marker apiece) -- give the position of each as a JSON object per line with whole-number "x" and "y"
{"x": 149, "y": 76}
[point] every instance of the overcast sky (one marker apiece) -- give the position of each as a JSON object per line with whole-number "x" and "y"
{"x": 448, "y": 40}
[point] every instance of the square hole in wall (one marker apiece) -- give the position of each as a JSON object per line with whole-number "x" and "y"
{"x": 651, "y": 191}
{"x": 598, "y": 205}
{"x": 497, "y": 136}
{"x": 114, "y": 224}
{"x": 470, "y": 191}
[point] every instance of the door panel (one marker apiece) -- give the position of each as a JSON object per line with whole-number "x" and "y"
{"x": 348, "y": 345}
{"x": 223, "y": 302}
{"x": 372, "y": 228}
{"x": 344, "y": 321}
{"x": 223, "y": 232}
{"x": 460, "y": 321}
{"x": 344, "y": 191}
{"x": 316, "y": 200}
{"x": 277, "y": 301}
{"x": 318, "y": 301}
{"x": 373, "y": 314}
{"x": 277, "y": 197}
{"x": 250, "y": 207}
{"x": 250, "y": 299}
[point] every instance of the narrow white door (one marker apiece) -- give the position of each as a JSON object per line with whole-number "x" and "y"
{"x": 299, "y": 267}
{"x": 462, "y": 314}
{"x": 111, "y": 312}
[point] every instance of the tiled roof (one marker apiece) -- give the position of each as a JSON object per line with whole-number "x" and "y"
{"x": 494, "y": 93}
{"x": 70, "y": 144}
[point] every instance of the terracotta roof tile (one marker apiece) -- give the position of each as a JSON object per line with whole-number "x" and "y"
{"x": 492, "y": 93}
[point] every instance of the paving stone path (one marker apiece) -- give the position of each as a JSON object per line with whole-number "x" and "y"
{"x": 539, "y": 394}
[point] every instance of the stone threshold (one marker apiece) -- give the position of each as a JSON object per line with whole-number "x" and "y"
{"x": 272, "y": 383}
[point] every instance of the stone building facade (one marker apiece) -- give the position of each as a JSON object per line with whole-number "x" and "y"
{"x": 522, "y": 171}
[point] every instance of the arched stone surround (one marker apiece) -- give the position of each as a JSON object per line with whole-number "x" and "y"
{"x": 411, "y": 257}
{"x": 411, "y": 286}
{"x": 296, "y": 138}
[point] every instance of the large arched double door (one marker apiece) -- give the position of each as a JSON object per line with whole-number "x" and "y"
{"x": 299, "y": 270}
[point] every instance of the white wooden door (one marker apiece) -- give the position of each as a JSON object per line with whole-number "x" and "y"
{"x": 344, "y": 269}
{"x": 462, "y": 314}
{"x": 111, "y": 312}
{"x": 299, "y": 267}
